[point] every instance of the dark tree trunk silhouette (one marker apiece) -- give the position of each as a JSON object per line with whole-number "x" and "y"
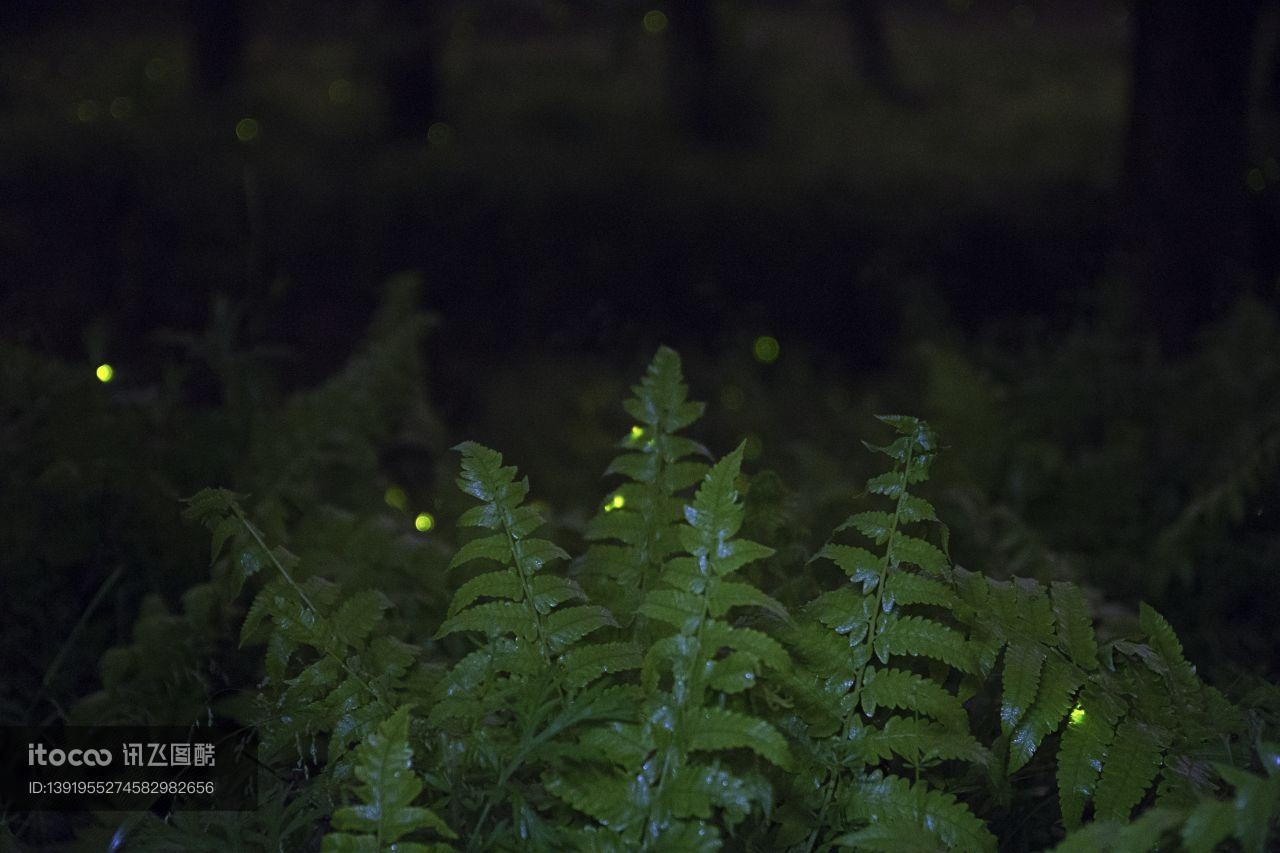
{"x": 412, "y": 75}
{"x": 1187, "y": 233}
{"x": 218, "y": 43}
{"x": 872, "y": 57}
{"x": 696, "y": 69}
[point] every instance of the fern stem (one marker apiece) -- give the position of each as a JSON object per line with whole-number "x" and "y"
{"x": 829, "y": 794}
{"x": 302, "y": 594}
{"x": 673, "y": 759}
{"x": 56, "y": 664}
{"x": 833, "y": 780}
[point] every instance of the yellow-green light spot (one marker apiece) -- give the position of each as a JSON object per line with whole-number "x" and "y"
{"x": 88, "y": 110}
{"x": 157, "y": 68}
{"x": 341, "y": 91}
{"x": 1256, "y": 180}
{"x": 766, "y": 349}
{"x": 615, "y": 502}
{"x": 396, "y": 498}
{"x": 654, "y": 22}
{"x": 439, "y": 134}
{"x": 637, "y": 433}
{"x": 247, "y": 129}
{"x": 424, "y": 522}
{"x": 1077, "y": 716}
{"x": 121, "y": 108}
{"x": 732, "y": 397}
{"x": 105, "y": 373}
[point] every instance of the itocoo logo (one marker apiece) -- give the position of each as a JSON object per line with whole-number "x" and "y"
{"x": 39, "y": 754}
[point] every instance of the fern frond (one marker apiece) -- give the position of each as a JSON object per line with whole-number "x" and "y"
{"x": 912, "y": 738}
{"x": 385, "y": 813}
{"x": 643, "y": 515}
{"x": 1084, "y": 747}
{"x": 669, "y": 767}
{"x": 1022, "y": 665}
{"x": 1059, "y": 680}
{"x": 883, "y": 642}
{"x": 918, "y": 636}
{"x": 525, "y": 603}
{"x": 1165, "y": 643}
{"x": 902, "y": 807}
{"x": 715, "y": 729}
{"x": 1130, "y": 767}
{"x": 908, "y": 691}
{"x": 1074, "y": 625}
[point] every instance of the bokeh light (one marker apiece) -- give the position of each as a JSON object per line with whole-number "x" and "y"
{"x": 396, "y": 498}
{"x": 157, "y": 69}
{"x": 439, "y": 134}
{"x": 766, "y": 349}
{"x": 654, "y": 22}
{"x": 1077, "y": 716}
{"x": 247, "y": 129}
{"x": 105, "y": 372}
{"x": 88, "y": 110}
{"x": 341, "y": 92}
{"x": 615, "y": 502}
{"x": 121, "y": 108}
{"x": 732, "y": 398}
{"x": 424, "y": 522}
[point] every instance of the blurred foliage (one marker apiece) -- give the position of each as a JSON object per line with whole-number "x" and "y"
{"x": 88, "y": 515}
{"x": 1022, "y": 712}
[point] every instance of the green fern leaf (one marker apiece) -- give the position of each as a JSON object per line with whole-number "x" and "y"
{"x": 1256, "y": 805}
{"x": 916, "y": 739}
{"x": 733, "y": 673}
{"x": 677, "y": 608}
{"x": 566, "y": 626}
{"x": 890, "y": 837}
{"x": 905, "y": 588}
{"x": 550, "y": 591}
{"x": 1083, "y": 749}
{"x": 844, "y": 611}
{"x": 608, "y": 799}
{"x": 643, "y": 515}
{"x": 718, "y": 728}
{"x": 907, "y": 691}
{"x": 1022, "y": 665}
{"x": 758, "y": 644}
{"x": 912, "y": 509}
{"x": 385, "y": 814}
{"x": 584, "y": 664}
{"x": 723, "y": 595}
{"x": 1208, "y": 825}
{"x": 1165, "y": 643}
{"x": 915, "y": 635}
{"x": 494, "y": 617}
{"x": 919, "y": 552}
{"x": 1074, "y": 626}
{"x": 496, "y": 548}
{"x": 357, "y": 617}
{"x": 858, "y": 563}
{"x": 1059, "y": 681}
{"x": 504, "y": 584}
{"x": 694, "y": 790}
{"x": 873, "y": 524}
{"x": 937, "y": 817}
{"x": 1132, "y": 763}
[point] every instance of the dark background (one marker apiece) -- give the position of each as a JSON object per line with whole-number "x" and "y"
{"x": 1051, "y": 228}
